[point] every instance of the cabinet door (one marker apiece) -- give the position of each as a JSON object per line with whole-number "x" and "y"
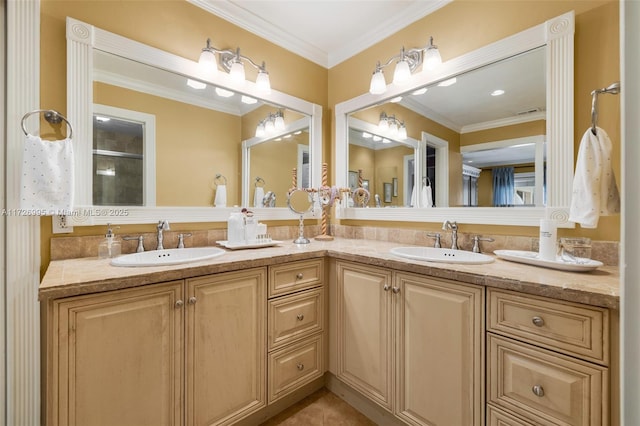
{"x": 439, "y": 329}
{"x": 116, "y": 358}
{"x": 226, "y": 346}
{"x": 364, "y": 332}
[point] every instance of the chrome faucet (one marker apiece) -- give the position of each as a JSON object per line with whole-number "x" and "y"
{"x": 163, "y": 225}
{"x": 454, "y": 233}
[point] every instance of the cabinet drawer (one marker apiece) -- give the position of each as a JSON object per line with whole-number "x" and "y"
{"x": 545, "y": 387}
{"x": 497, "y": 417}
{"x": 295, "y": 316}
{"x": 294, "y": 366}
{"x": 571, "y": 328}
{"x": 294, "y": 276}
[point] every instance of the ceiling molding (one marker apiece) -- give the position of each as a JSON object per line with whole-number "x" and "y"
{"x": 249, "y": 21}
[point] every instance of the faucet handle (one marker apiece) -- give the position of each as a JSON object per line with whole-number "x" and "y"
{"x": 436, "y": 236}
{"x": 181, "y": 239}
{"x": 140, "y": 239}
{"x": 164, "y": 225}
{"x": 476, "y": 242}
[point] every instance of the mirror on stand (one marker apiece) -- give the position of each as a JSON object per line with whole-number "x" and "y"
{"x": 300, "y": 202}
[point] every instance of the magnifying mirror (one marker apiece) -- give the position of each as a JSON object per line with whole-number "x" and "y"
{"x": 300, "y": 202}
{"x": 360, "y": 197}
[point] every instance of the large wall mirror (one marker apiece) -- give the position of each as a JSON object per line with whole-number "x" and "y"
{"x": 487, "y": 138}
{"x": 158, "y": 139}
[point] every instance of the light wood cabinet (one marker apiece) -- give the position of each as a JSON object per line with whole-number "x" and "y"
{"x": 296, "y": 324}
{"x": 412, "y": 344}
{"x": 225, "y": 347}
{"x": 547, "y": 361}
{"x": 116, "y": 358}
{"x": 187, "y": 352}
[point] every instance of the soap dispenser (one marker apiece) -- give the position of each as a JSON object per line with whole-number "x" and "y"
{"x": 109, "y": 247}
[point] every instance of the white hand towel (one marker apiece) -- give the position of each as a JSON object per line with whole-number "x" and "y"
{"x": 220, "y": 199}
{"x": 47, "y": 179}
{"x": 258, "y": 196}
{"x": 595, "y": 192}
{"x": 427, "y": 198}
{"x": 414, "y": 196}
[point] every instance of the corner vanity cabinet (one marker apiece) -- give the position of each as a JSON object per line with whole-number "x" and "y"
{"x": 412, "y": 344}
{"x": 192, "y": 351}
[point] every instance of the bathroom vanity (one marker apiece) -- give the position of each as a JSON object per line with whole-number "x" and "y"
{"x": 237, "y": 338}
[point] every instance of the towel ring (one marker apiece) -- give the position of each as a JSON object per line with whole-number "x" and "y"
{"x": 52, "y": 116}
{"x": 221, "y": 178}
{"x": 259, "y": 180}
{"x": 612, "y": 89}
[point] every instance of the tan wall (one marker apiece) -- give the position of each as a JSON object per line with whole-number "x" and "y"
{"x": 465, "y": 25}
{"x": 532, "y": 128}
{"x": 187, "y": 156}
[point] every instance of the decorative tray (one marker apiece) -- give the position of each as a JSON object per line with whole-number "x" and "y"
{"x": 531, "y": 258}
{"x": 227, "y": 244}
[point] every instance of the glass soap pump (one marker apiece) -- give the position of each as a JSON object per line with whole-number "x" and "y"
{"x": 109, "y": 247}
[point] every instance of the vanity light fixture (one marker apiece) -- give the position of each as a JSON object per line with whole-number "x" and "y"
{"x": 234, "y": 64}
{"x": 393, "y": 127}
{"x": 407, "y": 61}
{"x": 274, "y": 122}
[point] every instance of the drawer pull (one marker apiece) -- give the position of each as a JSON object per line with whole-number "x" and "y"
{"x": 538, "y": 390}
{"x": 192, "y": 300}
{"x": 396, "y": 290}
{"x": 300, "y": 366}
{"x": 537, "y": 321}
{"x": 300, "y": 317}
{"x": 179, "y": 303}
{"x": 299, "y": 276}
{"x": 386, "y": 287}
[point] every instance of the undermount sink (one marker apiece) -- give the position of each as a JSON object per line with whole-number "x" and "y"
{"x": 168, "y": 256}
{"x": 444, "y": 255}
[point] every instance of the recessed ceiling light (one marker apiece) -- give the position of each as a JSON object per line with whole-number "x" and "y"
{"x": 497, "y": 92}
{"x": 196, "y": 84}
{"x": 396, "y": 99}
{"x": 287, "y": 136}
{"x": 224, "y": 93}
{"x": 102, "y": 119}
{"x": 376, "y": 138}
{"x": 248, "y": 100}
{"x": 366, "y": 135}
{"x": 447, "y": 82}
{"x": 298, "y": 132}
{"x": 420, "y": 91}
{"x": 385, "y": 140}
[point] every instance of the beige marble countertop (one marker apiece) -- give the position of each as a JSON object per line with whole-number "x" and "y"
{"x": 89, "y": 275}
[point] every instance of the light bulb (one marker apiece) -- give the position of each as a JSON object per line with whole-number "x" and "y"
{"x": 237, "y": 72}
{"x": 383, "y": 125}
{"x": 262, "y": 82}
{"x": 269, "y": 127}
{"x": 431, "y": 57}
{"x": 393, "y": 128}
{"x": 260, "y": 131}
{"x": 207, "y": 62}
{"x": 279, "y": 122}
{"x": 402, "y": 73}
{"x": 378, "y": 84}
{"x": 402, "y": 132}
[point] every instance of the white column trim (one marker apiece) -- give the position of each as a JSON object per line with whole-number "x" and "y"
{"x": 22, "y": 232}
{"x": 3, "y": 227}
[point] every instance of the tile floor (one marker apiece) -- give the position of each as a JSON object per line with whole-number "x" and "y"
{"x": 322, "y": 408}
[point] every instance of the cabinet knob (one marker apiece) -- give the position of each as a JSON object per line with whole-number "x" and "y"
{"x": 537, "y": 321}
{"x": 538, "y": 390}
{"x": 386, "y": 287}
{"x": 179, "y": 303}
{"x": 396, "y": 290}
{"x": 299, "y": 275}
{"x": 300, "y": 317}
{"x": 300, "y": 366}
{"x": 192, "y": 300}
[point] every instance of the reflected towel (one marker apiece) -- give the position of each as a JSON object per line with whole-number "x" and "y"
{"x": 427, "y": 197}
{"x": 221, "y": 196}
{"x": 258, "y": 196}
{"x": 414, "y": 196}
{"x": 595, "y": 192}
{"x": 47, "y": 177}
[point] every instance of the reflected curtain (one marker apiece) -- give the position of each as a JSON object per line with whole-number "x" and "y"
{"x": 503, "y": 186}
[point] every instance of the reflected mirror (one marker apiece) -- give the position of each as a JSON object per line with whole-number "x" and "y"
{"x": 162, "y": 131}
{"x": 484, "y": 130}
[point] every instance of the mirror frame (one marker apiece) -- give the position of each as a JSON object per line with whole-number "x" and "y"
{"x": 557, "y": 35}
{"x": 82, "y": 39}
